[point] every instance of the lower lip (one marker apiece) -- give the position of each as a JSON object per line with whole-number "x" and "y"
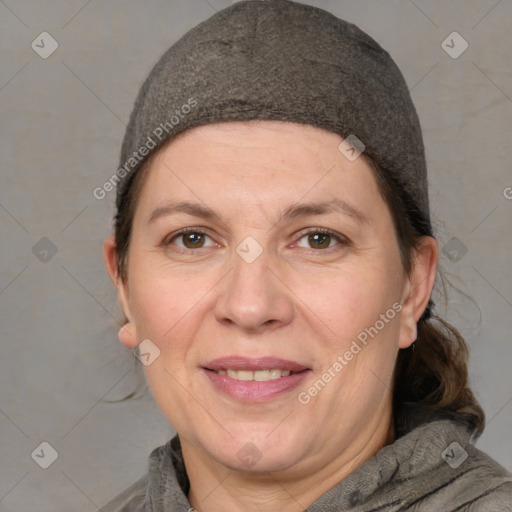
{"x": 255, "y": 391}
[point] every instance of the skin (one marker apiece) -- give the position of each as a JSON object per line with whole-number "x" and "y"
{"x": 296, "y": 301}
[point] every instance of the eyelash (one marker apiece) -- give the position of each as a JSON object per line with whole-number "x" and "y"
{"x": 186, "y": 231}
{"x": 342, "y": 241}
{"x": 339, "y": 238}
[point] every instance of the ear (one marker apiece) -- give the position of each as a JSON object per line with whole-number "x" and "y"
{"x": 127, "y": 334}
{"x": 418, "y": 289}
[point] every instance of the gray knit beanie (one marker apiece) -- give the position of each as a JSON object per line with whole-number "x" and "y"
{"x": 281, "y": 60}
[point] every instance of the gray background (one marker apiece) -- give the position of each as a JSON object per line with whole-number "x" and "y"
{"x": 63, "y": 119}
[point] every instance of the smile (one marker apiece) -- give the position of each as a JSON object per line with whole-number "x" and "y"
{"x": 259, "y": 375}
{"x": 254, "y": 379}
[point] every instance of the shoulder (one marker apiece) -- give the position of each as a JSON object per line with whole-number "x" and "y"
{"x": 486, "y": 485}
{"x": 467, "y": 480}
{"x": 443, "y": 469}
{"x": 161, "y": 485}
{"x": 132, "y": 499}
{"x": 437, "y": 467}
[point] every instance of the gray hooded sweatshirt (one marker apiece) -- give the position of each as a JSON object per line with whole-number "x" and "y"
{"x": 432, "y": 466}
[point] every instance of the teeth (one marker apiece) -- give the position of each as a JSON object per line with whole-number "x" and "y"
{"x": 262, "y": 375}
{"x": 275, "y": 374}
{"x": 259, "y": 375}
{"x": 245, "y": 375}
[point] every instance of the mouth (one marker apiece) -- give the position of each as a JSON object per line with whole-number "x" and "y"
{"x": 254, "y": 380}
{"x": 258, "y": 375}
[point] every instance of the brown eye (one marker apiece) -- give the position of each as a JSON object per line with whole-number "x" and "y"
{"x": 191, "y": 240}
{"x": 319, "y": 240}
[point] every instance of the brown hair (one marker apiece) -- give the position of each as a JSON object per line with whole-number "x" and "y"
{"x": 433, "y": 372}
{"x": 124, "y": 216}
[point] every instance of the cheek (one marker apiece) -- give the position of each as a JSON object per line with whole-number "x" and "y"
{"x": 162, "y": 303}
{"x": 362, "y": 312}
{"x": 366, "y": 313}
{"x": 353, "y": 300}
{"x": 168, "y": 310}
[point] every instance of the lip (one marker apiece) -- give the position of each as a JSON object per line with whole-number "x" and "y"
{"x": 255, "y": 391}
{"x": 253, "y": 364}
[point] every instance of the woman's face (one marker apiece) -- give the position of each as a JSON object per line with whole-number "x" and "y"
{"x": 279, "y": 313}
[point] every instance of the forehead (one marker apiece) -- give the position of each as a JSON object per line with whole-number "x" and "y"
{"x": 245, "y": 163}
{"x": 270, "y": 140}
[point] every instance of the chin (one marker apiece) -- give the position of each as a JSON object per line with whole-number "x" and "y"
{"x": 256, "y": 456}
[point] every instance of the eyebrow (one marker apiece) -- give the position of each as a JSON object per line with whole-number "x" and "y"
{"x": 194, "y": 209}
{"x": 292, "y": 212}
{"x": 335, "y": 205}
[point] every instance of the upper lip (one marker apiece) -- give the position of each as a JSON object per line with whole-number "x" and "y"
{"x": 253, "y": 364}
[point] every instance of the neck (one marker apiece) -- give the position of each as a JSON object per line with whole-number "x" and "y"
{"x": 216, "y": 488}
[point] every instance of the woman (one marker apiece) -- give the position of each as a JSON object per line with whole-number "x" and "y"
{"x": 274, "y": 258}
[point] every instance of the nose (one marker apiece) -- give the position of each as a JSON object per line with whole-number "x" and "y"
{"x": 254, "y": 297}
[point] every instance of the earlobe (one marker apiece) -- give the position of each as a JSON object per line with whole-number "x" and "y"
{"x": 128, "y": 336}
{"x": 418, "y": 290}
{"x": 408, "y": 329}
